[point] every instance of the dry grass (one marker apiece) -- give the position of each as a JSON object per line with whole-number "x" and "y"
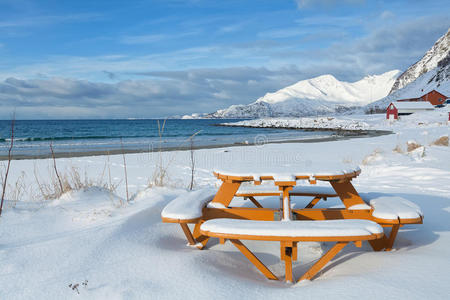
{"x": 160, "y": 176}
{"x": 70, "y": 180}
{"x": 375, "y": 155}
{"x": 398, "y": 149}
{"x": 5, "y": 178}
{"x": 412, "y": 145}
{"x": 442, "y": 141}
{"x": 16, "y": 190}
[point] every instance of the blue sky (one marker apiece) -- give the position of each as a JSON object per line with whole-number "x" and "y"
{"x": 117, "y": 59}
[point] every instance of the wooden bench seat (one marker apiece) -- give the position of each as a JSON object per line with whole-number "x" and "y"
{"x": 188, "y": 208}
{"x": 394, "y": 212}
{"x": 289, "y": 233}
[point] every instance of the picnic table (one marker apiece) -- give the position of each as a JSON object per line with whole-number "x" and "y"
{"x": 285, "y": 177}
{"x": 358, "y": 220}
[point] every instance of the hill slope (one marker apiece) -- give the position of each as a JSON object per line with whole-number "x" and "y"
{"x": 436, "y": 78}
{"x": 428, "y": 62}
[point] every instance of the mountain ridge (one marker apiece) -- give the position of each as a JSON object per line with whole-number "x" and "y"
{"x": 318, "y": 95}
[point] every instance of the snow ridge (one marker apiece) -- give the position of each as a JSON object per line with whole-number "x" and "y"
{"x": 319, "y": 95}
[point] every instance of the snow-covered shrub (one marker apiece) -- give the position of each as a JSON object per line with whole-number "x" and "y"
{"x": 442, "y": 141}
{"x": 412, "y": 145}
{"x": 398, "y": 149}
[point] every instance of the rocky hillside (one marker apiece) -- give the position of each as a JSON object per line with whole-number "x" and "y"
{"x": 437, "y": 78}
{"x": 427, "y": 63}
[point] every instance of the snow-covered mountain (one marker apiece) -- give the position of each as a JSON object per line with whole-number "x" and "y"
{"x": 428, "y": 62}
{"x": 319, "y": 95}
{"x": 437, "y": 78}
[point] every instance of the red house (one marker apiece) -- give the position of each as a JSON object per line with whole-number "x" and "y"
{"x": 391, "y": 112}
{"x": 396, "y": 109}
{"x": 434, "y": 97}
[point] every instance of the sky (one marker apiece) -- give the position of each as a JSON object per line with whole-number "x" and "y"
{"x": 155, "y": 59}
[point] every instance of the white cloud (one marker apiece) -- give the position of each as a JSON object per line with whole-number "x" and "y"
{"x": 306, "y": 3}
{"x": 387, "y": 14}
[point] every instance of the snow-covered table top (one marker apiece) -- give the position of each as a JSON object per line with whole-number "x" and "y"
{"x": 287, "y": 172}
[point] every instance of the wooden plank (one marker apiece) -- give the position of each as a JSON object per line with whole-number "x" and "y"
{"x": 285, "y": 187}
{"x": 267, "y": 214}
{"x": 378, "y": 244}
{"x": 257, "y": 204}
{"x": 188, "y": 234}
{"x": 313, "y": 202}
{"x": 201, "y": 239}
{"x": 253, "y": 259}
{"x": 345, "y": 190}
{"x": 294, "y": 251}
{"x": 323, "y": 261}
{"x": 289, "y": 277}
{"x": 392, "y": 236}
{"x": 226, "y": 193}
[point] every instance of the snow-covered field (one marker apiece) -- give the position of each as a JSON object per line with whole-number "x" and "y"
{"x": 123, "y": 251}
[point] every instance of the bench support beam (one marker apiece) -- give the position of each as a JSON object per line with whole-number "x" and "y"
{"x": 253, "y": 259}
{"x": 201, "y": 239}
{"x": 323, "y": 261}
{"x": 188, "y": 234}
{"x": 392, "y": 236}
{"x": 254, "y": 201}
{"x": 313, "y": 202}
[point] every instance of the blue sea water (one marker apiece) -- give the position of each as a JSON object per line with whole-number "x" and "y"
{"x": 33, "y": 137}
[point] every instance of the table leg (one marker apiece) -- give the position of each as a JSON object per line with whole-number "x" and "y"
{"x": 323, "y": 261}
{"x": 253, "y": 259}
{"x": 188, "y": 234}
{"x": 286, "y": 202}
{"x": 201, "y": 240}
{"x": 347, "y": 193}
{"x": 226, "y": 193}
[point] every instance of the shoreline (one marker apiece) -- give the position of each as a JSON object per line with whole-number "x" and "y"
{"x": 341, "y": 135}
{"x": 338, "y": 130}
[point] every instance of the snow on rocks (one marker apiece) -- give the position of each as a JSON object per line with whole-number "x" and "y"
{"x": 329, "y": 123}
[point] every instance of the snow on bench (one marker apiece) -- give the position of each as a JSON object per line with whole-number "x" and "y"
{"x": 302, "y": 189}
{"x": 395, "y": 208}
{"x": 188, "y": 206}
{"x": 289, "y": 233}
{"x": 295, "y": 229}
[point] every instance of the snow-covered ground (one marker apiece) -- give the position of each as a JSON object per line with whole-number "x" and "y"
{"x": 122, "y": 250}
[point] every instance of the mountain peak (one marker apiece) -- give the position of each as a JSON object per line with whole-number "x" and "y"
{"x": 322, "y": 94}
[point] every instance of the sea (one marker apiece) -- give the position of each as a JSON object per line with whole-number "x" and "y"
{"x": 32, "y": 138}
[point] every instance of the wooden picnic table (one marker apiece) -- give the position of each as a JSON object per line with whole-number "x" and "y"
{"x": 214, "y": 216}
{"x": 285, "y": 178}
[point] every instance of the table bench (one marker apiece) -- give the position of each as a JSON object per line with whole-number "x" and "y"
{"x": 188, "y": 209}
{"x": 289, "y": 233}
{"x": 394, "y": 212}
